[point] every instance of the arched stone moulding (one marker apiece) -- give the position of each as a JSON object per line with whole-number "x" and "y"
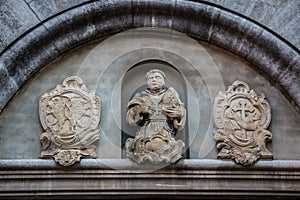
{"x": 97, "y": 20}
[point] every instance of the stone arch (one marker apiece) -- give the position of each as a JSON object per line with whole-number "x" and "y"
{"x": 91, "y": 21}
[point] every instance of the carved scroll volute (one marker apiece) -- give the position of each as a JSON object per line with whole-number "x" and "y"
{"x": 70, "y": 115}
{"x": 241, "y": 118}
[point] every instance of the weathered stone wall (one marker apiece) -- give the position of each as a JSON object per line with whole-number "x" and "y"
{"x": 29, "y": 27}
{"x": 280, "y": 16}
{"x": 43, "y": 42}
{"x": 206, "y": 70}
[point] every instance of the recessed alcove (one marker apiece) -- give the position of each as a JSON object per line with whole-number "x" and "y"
{"x": 134, "y": 81}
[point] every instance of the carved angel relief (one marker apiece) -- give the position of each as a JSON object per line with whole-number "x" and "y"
{"x": 70, "y": 115}
{"x": 242, "y": 117}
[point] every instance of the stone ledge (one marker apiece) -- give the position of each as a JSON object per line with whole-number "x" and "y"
{"x": 125, "y": 164}
{"x": 110, "y": 178}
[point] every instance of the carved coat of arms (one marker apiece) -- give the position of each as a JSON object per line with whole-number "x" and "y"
{"x": 70, "y": 115}
{"x": 242, "y": 117}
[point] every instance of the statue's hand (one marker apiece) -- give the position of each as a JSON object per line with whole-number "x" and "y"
{"x": 133, "y": 116}
{"x": 174, "y": 111}
{"x": 144, "y": 109}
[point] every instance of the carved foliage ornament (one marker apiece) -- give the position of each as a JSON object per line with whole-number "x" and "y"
{"x": 242, "y": 117}
{"x": 70, "y": 115}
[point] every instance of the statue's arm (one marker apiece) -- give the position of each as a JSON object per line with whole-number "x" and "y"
{"x": 133, "y": 116}
{"x": 178, "y": 112}
{"x": 179, "y": 122}
{"x": 135, "y": 109}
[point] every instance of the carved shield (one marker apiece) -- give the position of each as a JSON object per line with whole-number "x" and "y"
{"x": 70, "y": 115}
{"x": 242, "y": 117}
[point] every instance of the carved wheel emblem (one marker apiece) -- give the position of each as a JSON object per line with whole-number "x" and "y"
{"x": 242, "y": 117}
{"x": 70, "y": 115}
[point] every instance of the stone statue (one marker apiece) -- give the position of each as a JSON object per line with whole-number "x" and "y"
{"x": 160, "y": 114}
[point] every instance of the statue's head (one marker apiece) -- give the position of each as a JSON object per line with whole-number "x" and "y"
{"x": 155, "y": 79}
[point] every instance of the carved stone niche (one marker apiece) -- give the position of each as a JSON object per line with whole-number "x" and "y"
{"x": 242, "y": 117}
{"x": 160, "y": 114}
{"x": 70, "y": 115}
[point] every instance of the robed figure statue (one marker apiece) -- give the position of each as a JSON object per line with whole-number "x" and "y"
{"x": 160, "y": 114}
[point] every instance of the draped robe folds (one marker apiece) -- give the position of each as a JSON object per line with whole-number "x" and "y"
{"x": 153, "y": 112}
{"x": 160, "y": 116}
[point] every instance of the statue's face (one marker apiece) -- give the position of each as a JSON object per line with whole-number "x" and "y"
{"x": 155, "y": 81}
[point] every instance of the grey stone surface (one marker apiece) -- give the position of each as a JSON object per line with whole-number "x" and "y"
{"x": 125, "y": 165}
{"x": 195, "y": 21}
{"x": 229, "y": 31}
{"x": 8, "y": 88}
{"x": 187, "y": 179}
{"x": 25, "y": 110}
{"x": 281, "y": 16}
{"x": 149, "y": 14}
{"x": 15, "y": 19}
{"x": 283, "y": 121}
{"x": 94, "y": 20}
{"x": 3, "y": 74}
{"x": 46, "y": 9}
{"x": 102, "y": 67}
{"x": 263, "y": 11}
{"x": 26, "y": 56}
{"x": 273, "y": 69}
{"x": 267, "y": 52}
{"x": 286, "y": 22}
{"x": 257, "y": 46}
{"x": 89, "y": 22}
